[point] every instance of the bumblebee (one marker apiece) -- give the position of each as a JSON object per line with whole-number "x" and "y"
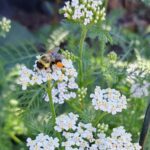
{"x": 49, "y": 59}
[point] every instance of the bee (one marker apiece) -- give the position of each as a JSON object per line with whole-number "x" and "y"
{"x": 49, "y": 59}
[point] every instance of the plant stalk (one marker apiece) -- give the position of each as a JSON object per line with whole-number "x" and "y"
{"x": 49, "y": 92}
{"x": 98, "y": 119}
{"x": 106, "y": 4}
{"x": 74, "y": 107}
{"x": 102, "y": 49}
{"x": 81, "y": 48}
{"x": 52, "y": 107}
{"x": 16, "y": 139}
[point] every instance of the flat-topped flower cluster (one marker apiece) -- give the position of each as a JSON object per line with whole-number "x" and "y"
{"x": 140, "y": 90}
{"x": 62, "y": 79}
{"x": 138, "y": 77}
{"x": 80, "y": 136}
{"x": 108, "y": 100}
{"x": 84, "y": 11}
{"x": 43, "y": 142}
{"x": 138, "y": 70}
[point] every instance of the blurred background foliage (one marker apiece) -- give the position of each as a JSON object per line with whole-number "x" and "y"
{"x": 36, "y": 26}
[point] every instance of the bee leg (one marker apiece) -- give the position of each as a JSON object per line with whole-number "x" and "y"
{"x": 51, "y": 65}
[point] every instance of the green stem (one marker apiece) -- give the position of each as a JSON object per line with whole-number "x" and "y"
{"x": 52, "y": 107}
{"x": 49, "y": 92}
{"x": 102, "y": 49}
{"x": 74, "y": 107}
{"x": 106, "y": 4}
{"x": 81, "y": 47}
{"x": 16, "y": 139}
{"x": 98, "y": 119}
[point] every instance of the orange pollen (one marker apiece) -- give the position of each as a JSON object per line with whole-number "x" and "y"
{"x": 59, "y": 64}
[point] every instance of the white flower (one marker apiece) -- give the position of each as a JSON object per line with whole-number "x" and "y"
{"x": 66, "y": 122}
{"x": 43, "y": 142}
{"x": 109, "y": 100}
{"x": 36, "y": 79}
{"x": 140, "y": 90}
{"x": 25, "y": 75}
{"x": 100, "y": 143}
{"x": 85, "y": 11}
{"x": 75, "y": 3}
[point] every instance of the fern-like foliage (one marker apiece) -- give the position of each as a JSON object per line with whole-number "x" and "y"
{"x": 146, "y": 2}
{"x": 20, "y": 54}
{"x": 57, "y": 37}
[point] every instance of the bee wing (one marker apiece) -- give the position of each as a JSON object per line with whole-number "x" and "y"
{"x": 55, "y": 50}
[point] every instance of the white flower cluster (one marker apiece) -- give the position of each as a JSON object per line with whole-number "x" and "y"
{"x": 66, "y": 122}
{"x": 108, "y": 100}
{"x": 138, "y": 73}
{"x": 77, "y": 135}
{"x": 64, "y": 77}
{"x": 121, "y": 140}
{"x": 43, "y": 142}
{"x": 138, "y": 70}
{"x": 80, "y": 136}
{"x": 140, "y": 90}
{"x": 5, "y": 25}
{"x": 84, "y": 11}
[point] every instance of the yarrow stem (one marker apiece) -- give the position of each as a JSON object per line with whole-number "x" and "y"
{"x": 98, "y": 118}
{"x": 52, "y": 107}
{"x": 82, "y": 39}
{"x": 102, "y": 49}
{"x": 16, "y": 139}
{"x": 74, "y": 107}
{"x": 106, "y": 3}
{"x": 49, "y": 92}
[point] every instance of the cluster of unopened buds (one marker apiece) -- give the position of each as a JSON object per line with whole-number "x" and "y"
{"x": 5, "y": 25}
{"x": 108, "y": 100}
{"x": 80, "y": 136}
{"x": 62, "y": 79}
{"x": 84, "y": 11}
{"x": 112, "y": 56}
{"x": 81, "y": 93}
{"x": 102, "y": 127}
{"x": 69, "y": 55}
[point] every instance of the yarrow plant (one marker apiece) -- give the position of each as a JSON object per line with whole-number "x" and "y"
{"x": 5, "y": 26}
{"x": 63, "y": 84}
